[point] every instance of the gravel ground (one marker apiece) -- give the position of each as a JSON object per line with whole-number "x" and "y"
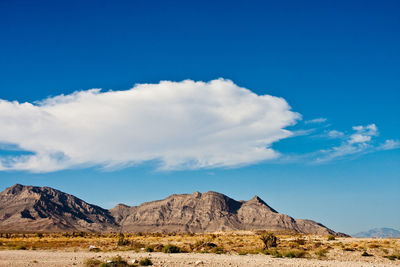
{"x": 62, "y": 258}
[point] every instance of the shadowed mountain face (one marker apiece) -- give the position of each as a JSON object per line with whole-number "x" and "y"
{"x": 29, "y": 208}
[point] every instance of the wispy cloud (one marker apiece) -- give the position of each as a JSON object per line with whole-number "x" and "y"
{"x": 181, "y": 125}
{"x": 334, "y": 134}
{"x": 359, "y": 142}
{"x": 389, "y": 145}
{"x": 317, "y": 120}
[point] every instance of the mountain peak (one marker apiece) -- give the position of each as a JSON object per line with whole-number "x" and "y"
{"x": 197, "y": 194}
{"x": 258, "y": 201}
{"x": 15, "y": 189}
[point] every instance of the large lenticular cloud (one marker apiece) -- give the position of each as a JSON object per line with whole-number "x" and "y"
{"x": 180, "y": 125}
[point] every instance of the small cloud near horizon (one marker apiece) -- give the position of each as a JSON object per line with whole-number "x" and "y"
{"x": 359, "y": 142}
{"x": 317, "y": 120}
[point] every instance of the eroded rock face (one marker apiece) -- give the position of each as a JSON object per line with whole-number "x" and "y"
{"x": 30, "y": 208}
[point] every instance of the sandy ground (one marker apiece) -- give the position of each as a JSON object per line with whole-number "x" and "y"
{"x": 61, "y": 258}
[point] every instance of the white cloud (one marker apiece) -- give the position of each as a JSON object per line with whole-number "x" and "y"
{"x": 363, "y": 133}
{"x": 389, "y": 145}
{"x": 359, "y": 138}
{"x": 179, "y": 124}
{"x": 317, "y": 120}
{"x": 335, "y": 134}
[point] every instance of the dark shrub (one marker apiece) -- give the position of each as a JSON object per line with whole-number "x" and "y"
{"x": 122, "y": 241}
{"x": 269, "y": 240}
{"x": 294, "y": 254}
{"x": 171, "y": 249}
{"x": 145, "y": 262}
{"x": 331, "y": 237}
{"x": 366, "y": 254}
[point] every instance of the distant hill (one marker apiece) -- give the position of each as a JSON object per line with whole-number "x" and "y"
{"x": 31, "y": 208}
{"x": 379, "y": 233}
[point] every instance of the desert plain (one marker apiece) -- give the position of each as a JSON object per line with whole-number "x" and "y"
{"x": 215, "y": 249}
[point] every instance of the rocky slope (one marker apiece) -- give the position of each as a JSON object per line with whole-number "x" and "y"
{"x": 30, "y": 208}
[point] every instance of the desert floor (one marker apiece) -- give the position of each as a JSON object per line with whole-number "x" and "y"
{"x": 220, "y": 249}
{"x": 68, "y": 258}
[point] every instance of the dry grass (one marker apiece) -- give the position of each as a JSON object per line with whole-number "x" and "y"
{"x": 242, "y": 243}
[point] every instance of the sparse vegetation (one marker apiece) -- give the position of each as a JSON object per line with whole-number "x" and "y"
{"x": 171, "y": 249}
{"x": 288, "y": 246}
{"x": 294, "y": 254}
{"x": 273, "y": 252}
{"x": 331, "y": 237}
{"x": 149, "y": 249}
{"x": 321, "y": 253}
{"x": 217, "y": 250}
{"x": 393, "y": 257}
{"x": 122, "y": 241}
{"x": 117, "y": 261}
{"x": 92, "y": 262}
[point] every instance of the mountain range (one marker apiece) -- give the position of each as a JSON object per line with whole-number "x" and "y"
{"x": 44, "y": 209}
{"x": 379, "y": 233}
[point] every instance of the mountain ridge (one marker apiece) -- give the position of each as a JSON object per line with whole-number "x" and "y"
{"x": 32, "y": 208}
{"x": 384, "y": 232}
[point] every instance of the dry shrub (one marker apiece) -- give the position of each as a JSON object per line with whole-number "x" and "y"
{"x": 321, "y": 253}
{"x": 294, "y": 254}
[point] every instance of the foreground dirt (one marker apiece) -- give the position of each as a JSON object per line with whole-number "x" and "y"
{"x": 68, "y": 258}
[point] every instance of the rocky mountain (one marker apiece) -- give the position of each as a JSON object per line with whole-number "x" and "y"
{"x": 209, "y": 212}
{"x": 30, "y": 208}
{"x": 379, "y": 233}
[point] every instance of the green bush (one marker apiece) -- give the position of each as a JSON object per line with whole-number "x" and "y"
{"x": 294, "y": 254}
{"x": 217, "y": 250}
{"x": 122, "y": 241}
{"x": 93, "y": 263}
{"x": 145, "y": 262}
{"x": 274, "y": 253}
{"x": 300, "y": 241}
{"x": 331, "y": 237}
{"x": 171, "y": 249}
{"x": 321, "y": 253}
{"x": 149, "y": 249}
{"x": 269, "y": 240}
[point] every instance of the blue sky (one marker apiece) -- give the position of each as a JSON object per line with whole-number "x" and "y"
{"x": 335, "y": 60}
